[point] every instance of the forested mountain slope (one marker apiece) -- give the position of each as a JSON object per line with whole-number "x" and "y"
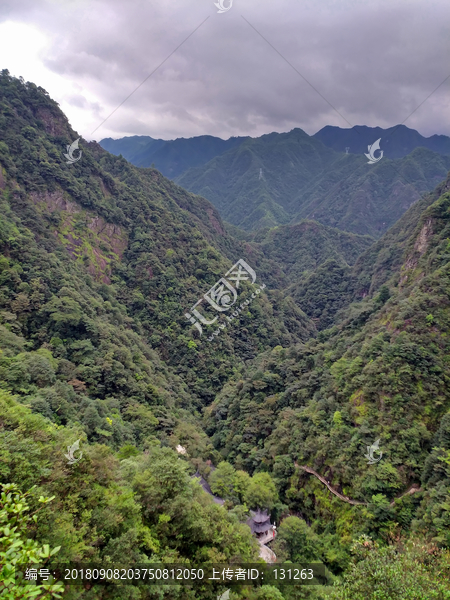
{"x": 253, "y": 184}
{"x": 99, "y": 262}
{"x": 385, "y": 257}
{"x": 381, "y": 373}
{"x": 300, "y": 249}
{"x": 283, "y": 178}
{"x": 135, "y": 244}
{"x": 155, "y": 248}
{"x": 333, "y": 285}
{"x": 78, "y": 362}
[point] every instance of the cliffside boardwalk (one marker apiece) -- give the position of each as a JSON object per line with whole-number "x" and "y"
{"x": 414, "y": 488}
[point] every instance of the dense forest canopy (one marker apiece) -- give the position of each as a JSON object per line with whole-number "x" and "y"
{"x": 347, "y": 344}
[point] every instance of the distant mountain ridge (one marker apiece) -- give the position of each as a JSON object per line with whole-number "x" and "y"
{"x": 173, "y": 157}
{"x": 396, "y": 142}
{"x": 170, "y": 157}
{"x": 282, "y": 178}
{"x": 131, "y": 146}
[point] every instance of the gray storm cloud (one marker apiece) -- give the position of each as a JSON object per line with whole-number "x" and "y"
{"x": 374, "y": 62}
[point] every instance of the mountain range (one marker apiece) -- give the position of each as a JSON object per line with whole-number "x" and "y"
{"x": 283, "y": 178}
{"x": 180, "y": 154}
{"x": 345, "y": 350}
{"x": 396, "y": 142}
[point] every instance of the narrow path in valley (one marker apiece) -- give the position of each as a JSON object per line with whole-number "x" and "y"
{"x": 414, "y": 488}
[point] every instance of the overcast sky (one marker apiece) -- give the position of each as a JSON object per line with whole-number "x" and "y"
{"x": 374, "y": 61}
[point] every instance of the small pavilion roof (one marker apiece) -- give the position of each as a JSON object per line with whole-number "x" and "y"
{"x": 260, "y": 516}
{"x": 259, "y": 521}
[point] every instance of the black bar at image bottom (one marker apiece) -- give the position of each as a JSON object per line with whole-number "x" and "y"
{"x": 174, "y": 574}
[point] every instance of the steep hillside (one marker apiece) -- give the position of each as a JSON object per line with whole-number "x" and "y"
{"x": 103, "y": 378}
{"x": 253, "y": 184}
{"x": 385, "y": 257}
{"x": 156, "y": 248}
{"x": 333, "y": 285}
{"x": 308, "y": 414}
{"x": 171, "y": 157}
{"x": 369, "y": 202}
{"x": 300, "y": 249}
{"x": 396, "y": 142}
{"x": 316, "y": 262}
{"x": 283, "y": 178}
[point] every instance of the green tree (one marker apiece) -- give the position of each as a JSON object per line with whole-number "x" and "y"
{"x": 269, "y": 592}
{"x": 127, "y": 451}
{"x": 417, "y": 572}
{"x": 222, "y": 480}
{"x": 241, "y": 482}
{"x": 383, "y": 295}
{"x": 261, "y": 492}
{"x": 296, "y": 541}
{"x": 17, "y": 550}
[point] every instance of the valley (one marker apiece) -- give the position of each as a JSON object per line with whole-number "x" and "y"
{"x": 347, "y": 344}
